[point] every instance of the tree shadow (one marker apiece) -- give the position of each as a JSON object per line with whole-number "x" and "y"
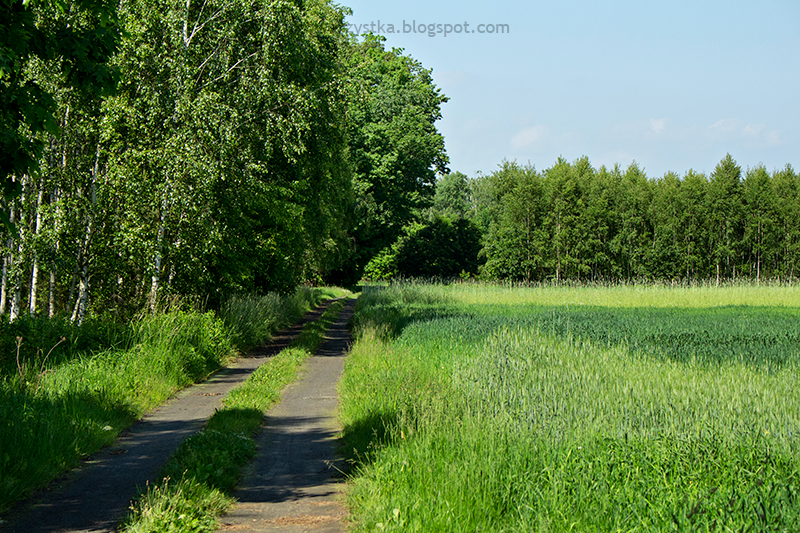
{"x": 362, "y": 439}
{"x": 41, "y": 437}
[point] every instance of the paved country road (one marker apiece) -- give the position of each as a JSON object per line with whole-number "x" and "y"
{"x": 95, "y": 496}
{"x": 294, "y": 485}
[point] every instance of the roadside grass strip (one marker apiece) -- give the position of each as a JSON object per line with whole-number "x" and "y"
{"x": 197, "y": 482}
{"x": 465, "y": 416}
{"x": 56, "y": 410}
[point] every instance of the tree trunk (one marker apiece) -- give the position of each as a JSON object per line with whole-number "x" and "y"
{"x": 155, "y": 279}
{"x": 6, "y": 266}
{"x": 16, "y": 272}
{"x": 3, "y": 283}
{"x": 52, "y": 292}
{"x": 79, "y": 310}
{"x": 35, "y": 269}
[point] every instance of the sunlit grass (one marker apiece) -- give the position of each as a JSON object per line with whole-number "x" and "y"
{"x": 525, "y": 415}
{"x": 60, "y": 409}
{"x": 198, "y": 482}
{"x": 633, "y": 295}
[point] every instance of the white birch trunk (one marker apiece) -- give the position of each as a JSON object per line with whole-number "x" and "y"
{"x": 3, "y": 284}
{"x": 155, "y": 279}
{"x": 79, "y": 311}
{"x": 52, "y": 292}
{"x": 35, "y": 269}
{"x": 7, "y": 258}
{"x": 16, "y": 282}
{"x": 15, "y": 303}
{"x": 54, "y": 200}
{"x": 16, "y": 272}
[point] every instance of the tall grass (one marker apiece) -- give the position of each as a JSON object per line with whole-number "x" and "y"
{"x": 81, "y": 405}
{"x": 252, "y": 319}
{"x": 197, "y": 483}
{"x": 701, "y": 295}
{"x": 55, "y": 410}
{"x": 476, "y": 417}
{"x": 41, "y": 336}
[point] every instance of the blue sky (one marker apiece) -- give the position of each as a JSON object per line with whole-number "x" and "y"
{"x": 672, "y": 85}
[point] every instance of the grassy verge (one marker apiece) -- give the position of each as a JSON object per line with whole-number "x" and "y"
{"x": 251, "y": 320}
{"x": 56, "y": 408}
{"x": 472, "y": 408}
{"x": 199, "y": 479}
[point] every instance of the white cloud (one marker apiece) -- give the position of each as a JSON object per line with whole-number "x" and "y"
{"x": 733, "y": 128}
{"x": 753, "y": 130}
{"x": 657, "y": 125}
{"x": 759, "y": 132}
{"x": 529, "y": 137}
{"x": 730, "y": 125}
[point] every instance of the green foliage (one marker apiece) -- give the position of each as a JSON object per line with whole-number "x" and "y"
{"x": 219, "y": 165}
{"x": 40, "y": 338}
{"x": 187, "y": 505}
{"x": 394, "y": 147}
{"x": 231, "y": 142}
{"x": 251, "y": 320}
{"x": 484, "y": 412}
{"x": 209, "y": 463}
{"x": 572, "y": 222}
{"x": 58, "y": 407}
{"x": 452, "y": 199}
{"x": 78, "y": 39}
{"x": 725, "y": 209}
{"x": 440, "y": 249}
{"x": 72, "y": 409}
{"x": 511, "y": 210}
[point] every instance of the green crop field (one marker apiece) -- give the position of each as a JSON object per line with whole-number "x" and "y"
{"x": 631, "y": 408}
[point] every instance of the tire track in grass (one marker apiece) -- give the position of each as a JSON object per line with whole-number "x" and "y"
{"x": 95, "y": 496}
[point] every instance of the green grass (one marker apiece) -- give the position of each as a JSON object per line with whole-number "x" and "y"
{"x": 252, "y": 319}
{"x": 199, "y": 480}
{"x": 59, "y": 407}
{"x": 625, "y": 295}
{"x": 472, "y": 408}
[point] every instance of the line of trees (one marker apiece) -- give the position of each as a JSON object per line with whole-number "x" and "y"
{"x": 210, "y": 147}
{"x": 574, "y": 222}
{"x": 231, "y": 146}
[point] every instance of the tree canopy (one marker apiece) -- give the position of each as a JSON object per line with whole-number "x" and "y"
{"x": 202, "y": 148}
{"x": 77, "y": 38}
{"x": 394, "y": 147}
{"x": 574, "y": 222}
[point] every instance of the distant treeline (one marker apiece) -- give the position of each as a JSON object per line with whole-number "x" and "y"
{"x": 575, "y": 222}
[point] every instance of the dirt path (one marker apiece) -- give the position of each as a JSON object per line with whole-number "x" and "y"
{"x": 95, "y": 496}
{"x": 294, "y": 484}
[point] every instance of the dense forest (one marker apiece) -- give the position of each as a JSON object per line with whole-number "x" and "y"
{"x": 572, "y": 222}
{"x": 201, "y": 148}
{"x": 209, "y": 148}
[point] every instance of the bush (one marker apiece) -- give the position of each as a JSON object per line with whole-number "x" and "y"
{"x": 440, "y": 249}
